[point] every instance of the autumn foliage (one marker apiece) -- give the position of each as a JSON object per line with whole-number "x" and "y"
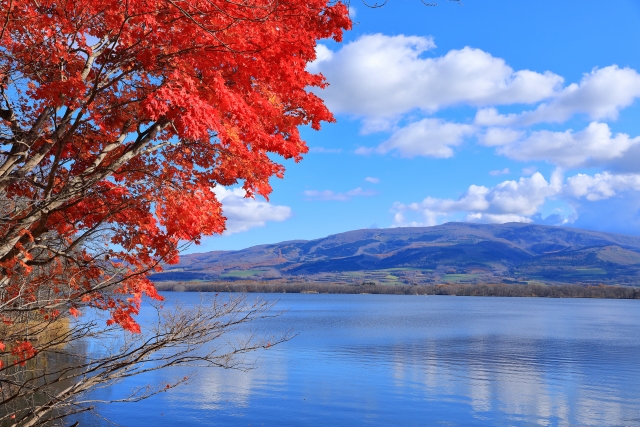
{"x": 117, "y": 120}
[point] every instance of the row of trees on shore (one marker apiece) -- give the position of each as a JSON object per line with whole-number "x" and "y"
{"x": 497, "y": 290}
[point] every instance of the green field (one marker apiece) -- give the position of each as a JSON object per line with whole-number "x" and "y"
{"x": 457, "y": 278}
{"x": 584, "y": 272}
{"x": 241, "y": 273}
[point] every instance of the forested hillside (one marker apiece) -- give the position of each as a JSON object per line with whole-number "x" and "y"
{"x": 448, "y": 253}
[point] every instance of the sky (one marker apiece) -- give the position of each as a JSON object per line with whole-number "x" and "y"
{"x": 488, "y": 111}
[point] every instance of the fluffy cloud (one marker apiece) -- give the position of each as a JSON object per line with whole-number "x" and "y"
{"x": 600, "y": 95}
{"x": 522, "y": 201}
{"x": 593, "y": 146}
{"x": 329, "y": 195}
{"x": 496, "y": 137}
{"x": 601, "y": 185}
{"x": 380, "y": 76}
{"x": 386, "y": 79}
{"x": 427, "y": 137}
{"x": 509, "y": 201}
{"x": 243, "y": 214}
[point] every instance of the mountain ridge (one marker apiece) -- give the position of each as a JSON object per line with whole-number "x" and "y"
{"x": 480, "y": 252}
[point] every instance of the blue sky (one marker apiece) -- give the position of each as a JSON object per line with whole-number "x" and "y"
{"x": 491, "y": 111}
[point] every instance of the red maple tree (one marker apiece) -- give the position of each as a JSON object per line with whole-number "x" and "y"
{"x": 117, "y": 120}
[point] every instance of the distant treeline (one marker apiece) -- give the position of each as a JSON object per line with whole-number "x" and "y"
{"x": 485, "y": 290}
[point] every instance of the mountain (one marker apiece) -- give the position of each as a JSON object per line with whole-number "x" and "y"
{"x": 452, "y": 252}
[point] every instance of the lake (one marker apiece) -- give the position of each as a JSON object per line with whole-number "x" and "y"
{"x": 385, "y": 360}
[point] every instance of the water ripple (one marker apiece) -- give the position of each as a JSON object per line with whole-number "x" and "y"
{"x": 376, "y": 360}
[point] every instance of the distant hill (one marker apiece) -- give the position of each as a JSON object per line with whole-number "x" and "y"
{"x": 448, "y": 253}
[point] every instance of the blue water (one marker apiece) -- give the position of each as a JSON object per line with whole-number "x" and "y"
{"x": 387, "y": 360}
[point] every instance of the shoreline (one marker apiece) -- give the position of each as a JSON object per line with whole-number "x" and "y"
{"x": 488, "y": 290}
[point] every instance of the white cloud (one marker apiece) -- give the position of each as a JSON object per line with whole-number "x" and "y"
{"x": 522, "y": 200}
{"x": 491, "y": 117}
{"x": 329, "y": 195}
{"x": 508, "y": 201}
{"x": 529, "y": 170}
{"x": 601, "y": 185}
{"x": 600, "y": 95}
{"x": 487, "y": 218}
{"x": 243, "y": 214}
{"x": 523, "y": 197}
{"x": 499, "y": 172}
{"x": 495, "y": 137}
{"x": 379, "y": 76}
{"x": 595, "y": 145}
{"x": 372, "y": 179}
{"x": 323, "y": 54}
{"x": 384, "y": 80}
{"x": 427, "y": 137}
